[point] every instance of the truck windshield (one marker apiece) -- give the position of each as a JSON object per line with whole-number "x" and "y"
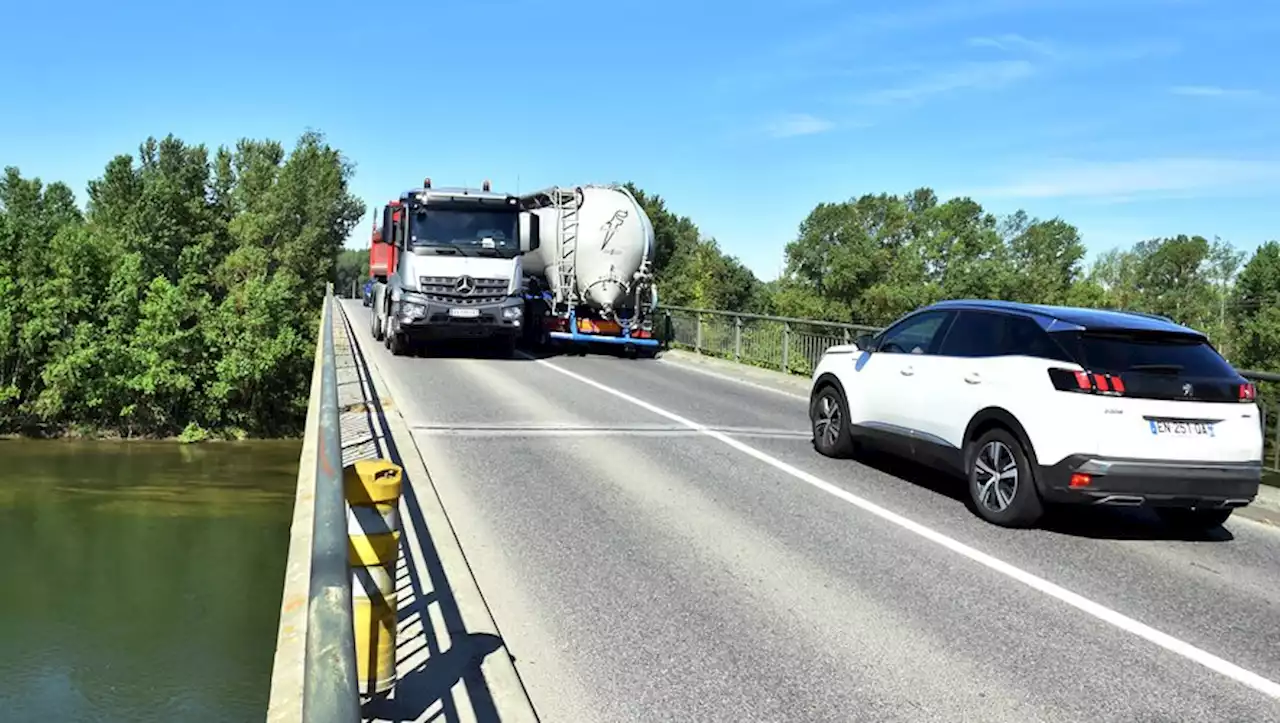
{"x": 478, "y": 230}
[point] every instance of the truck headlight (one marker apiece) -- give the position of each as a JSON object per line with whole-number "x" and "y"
{"x": 410, "y": 310}
{"x": 512, "y": 312}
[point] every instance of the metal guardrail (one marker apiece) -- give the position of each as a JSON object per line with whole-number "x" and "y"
{"x": 796, "y": 345}
{"x": 330, "y": 692}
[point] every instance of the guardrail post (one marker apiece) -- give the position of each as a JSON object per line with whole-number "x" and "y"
{"x": 737, "y": 338}
{"x": 372, "y": 488}
{"x": 697, "y": 339}
{"x": 786, "y": 343}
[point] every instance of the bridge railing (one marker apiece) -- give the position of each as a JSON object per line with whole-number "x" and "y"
{"x": 795, "y": 346}
{"x": 314, "y": 678}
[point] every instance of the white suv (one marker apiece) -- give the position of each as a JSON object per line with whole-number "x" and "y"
{"x": 1039, "y": 404}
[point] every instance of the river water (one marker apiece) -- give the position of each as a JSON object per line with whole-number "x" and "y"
{"x": 141, "y": 581}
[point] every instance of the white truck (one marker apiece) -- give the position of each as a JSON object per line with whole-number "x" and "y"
{"x": 459, "y": 263}
{"x": 592, "y": 281}
{"x": 447, "y": 265}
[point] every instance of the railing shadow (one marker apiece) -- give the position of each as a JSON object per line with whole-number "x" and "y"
{"x": 421, "y": 688}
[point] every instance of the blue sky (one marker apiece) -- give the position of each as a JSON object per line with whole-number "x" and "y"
{"x": 1129, "y": 118}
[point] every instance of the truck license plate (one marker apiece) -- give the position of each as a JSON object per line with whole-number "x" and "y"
{"x": 1180, "y": 428}
{"x": 464, "y": 313}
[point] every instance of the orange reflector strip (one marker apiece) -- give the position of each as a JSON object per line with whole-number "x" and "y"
{"x": 1081, "y": 480}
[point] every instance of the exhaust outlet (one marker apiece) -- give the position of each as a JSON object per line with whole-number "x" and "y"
{"x": 1121, "y": 500}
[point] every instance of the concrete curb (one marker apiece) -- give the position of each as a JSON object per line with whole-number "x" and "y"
{"x": 509, "y": 697}
{"x": 288, "y": 669}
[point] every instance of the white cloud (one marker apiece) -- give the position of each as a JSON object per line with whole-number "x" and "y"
{"x": 798, "y": 124}
{"x": 1213, "y": 91}
{"x": 1012, "y": 42}
{"x": 1129, "y": 180}
{"x": 968, "y": 76}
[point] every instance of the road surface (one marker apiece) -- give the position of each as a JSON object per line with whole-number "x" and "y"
{"x": 658, "y": 544}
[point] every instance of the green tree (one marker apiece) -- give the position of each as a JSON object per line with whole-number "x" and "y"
{"x": 186, "y": 297}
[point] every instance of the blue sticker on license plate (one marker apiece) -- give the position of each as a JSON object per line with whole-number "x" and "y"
{"x": 1180, "y": 428}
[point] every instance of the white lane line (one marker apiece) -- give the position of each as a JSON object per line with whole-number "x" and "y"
{"x": 1119, "y": 620}
{"x": 725, "y": 377}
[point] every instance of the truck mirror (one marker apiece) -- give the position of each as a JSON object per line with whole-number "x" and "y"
{"x": 530, "y": 232}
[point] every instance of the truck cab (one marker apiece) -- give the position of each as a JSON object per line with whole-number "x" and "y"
{"x": 453, "y": 269}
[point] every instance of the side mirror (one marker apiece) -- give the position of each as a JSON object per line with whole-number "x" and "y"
{"x": 531, "y": 232}
{"x": 865, "y": 342}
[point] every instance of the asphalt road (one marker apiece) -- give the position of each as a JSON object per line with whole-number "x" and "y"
{"x": 643, "y": 570}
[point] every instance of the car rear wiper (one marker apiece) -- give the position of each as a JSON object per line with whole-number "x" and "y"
{"x": 1158, "y": 368}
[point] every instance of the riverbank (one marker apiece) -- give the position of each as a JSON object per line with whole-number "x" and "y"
{"x": 192, "y": 434}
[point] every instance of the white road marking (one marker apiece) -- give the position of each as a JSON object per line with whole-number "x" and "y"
{"x": 727, "y": 378}
{"x": 566, "y": 429}
{"x": 1097, "y": 610}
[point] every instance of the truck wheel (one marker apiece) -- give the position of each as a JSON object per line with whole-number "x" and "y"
{"x": 375, "y": 327}
{"x": 397, "y": 343}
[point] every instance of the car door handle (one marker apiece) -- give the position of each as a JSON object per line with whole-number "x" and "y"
{"x": 973, "y": 378}
{"x": 908, "y": 371}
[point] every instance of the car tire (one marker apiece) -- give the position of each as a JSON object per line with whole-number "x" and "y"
{"x": 1193, "y": 520}
{"x": 829, "y": 420}
{"x": 996, "y": 501}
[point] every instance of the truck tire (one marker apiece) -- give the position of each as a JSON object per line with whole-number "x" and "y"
{"x": 375, "y": 326}
{"x": 398, "y": 344}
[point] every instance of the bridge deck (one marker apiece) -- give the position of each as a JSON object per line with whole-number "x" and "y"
{"x": 658, "y": 543}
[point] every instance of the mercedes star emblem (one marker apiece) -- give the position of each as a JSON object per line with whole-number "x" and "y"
{"x": 465, "y": 285}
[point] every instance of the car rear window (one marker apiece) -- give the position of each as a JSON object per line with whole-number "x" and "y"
{"x": 1156, "y": 366}
{"x": 1119, "y": 353}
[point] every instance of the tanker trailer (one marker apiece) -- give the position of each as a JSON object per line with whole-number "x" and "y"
{"x": 589, "y": 277}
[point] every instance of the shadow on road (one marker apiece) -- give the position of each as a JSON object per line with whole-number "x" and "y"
{"x": 431, "y": 682}
{"x": 1103, "y": 523}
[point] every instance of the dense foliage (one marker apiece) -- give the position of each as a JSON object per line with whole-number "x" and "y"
{"x": 184, "y": 299}
{"x": 870, "y": 259}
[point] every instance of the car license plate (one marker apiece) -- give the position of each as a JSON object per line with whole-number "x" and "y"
{"x": 1180, "y": 428}
{"x": 464, "y": 313}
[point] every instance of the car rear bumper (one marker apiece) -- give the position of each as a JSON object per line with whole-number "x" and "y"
{"x": 1113, "y": 481}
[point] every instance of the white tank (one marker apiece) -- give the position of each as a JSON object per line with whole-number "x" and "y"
{"x": 612, "y": 253}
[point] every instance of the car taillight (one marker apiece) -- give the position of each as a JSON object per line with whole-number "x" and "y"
{"x": 1248, "y": 392}
{"x": 1067, "y": 380}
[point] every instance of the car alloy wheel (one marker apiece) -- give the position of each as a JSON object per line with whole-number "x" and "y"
{"x": 827, "y": 424}
{"x": 996, "y": 470}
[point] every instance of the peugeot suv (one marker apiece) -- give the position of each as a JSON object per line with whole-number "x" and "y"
{"x": 1039, "y": 405}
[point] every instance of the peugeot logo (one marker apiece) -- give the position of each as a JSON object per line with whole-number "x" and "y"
{"x": 1186, "y": 390}
{"x": 465, "y": 285}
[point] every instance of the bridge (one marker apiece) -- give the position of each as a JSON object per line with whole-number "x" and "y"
{"x": 589, "y": 538}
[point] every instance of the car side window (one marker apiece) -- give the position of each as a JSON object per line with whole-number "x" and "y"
{"x": 1024, "y": 337}
{"x": 975, "y": 334}
{"x": 914, "y": 335}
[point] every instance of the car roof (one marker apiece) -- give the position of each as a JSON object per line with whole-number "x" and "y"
{"x": 1063, "y": 318}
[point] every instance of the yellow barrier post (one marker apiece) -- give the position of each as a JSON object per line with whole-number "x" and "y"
{"x": 372, "y": 489}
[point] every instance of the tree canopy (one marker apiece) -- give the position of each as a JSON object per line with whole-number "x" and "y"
{"x": 184, "y": 299}
{"x": 873, "y": 258}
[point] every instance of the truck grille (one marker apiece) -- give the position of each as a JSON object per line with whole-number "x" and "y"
{"x": 444, "y": 289}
